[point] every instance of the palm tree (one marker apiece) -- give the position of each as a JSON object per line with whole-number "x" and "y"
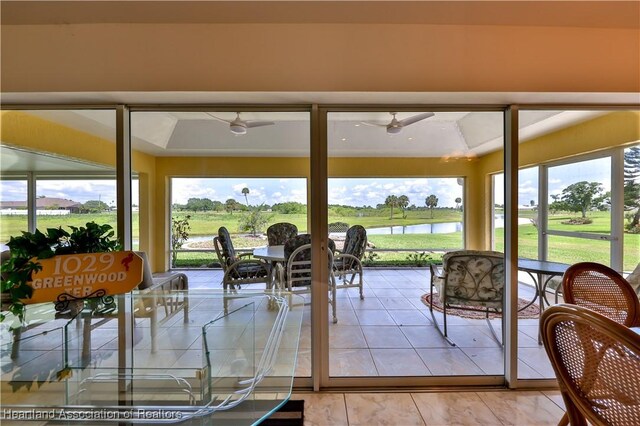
{"x": 403, "y": 203}
{"x": 391, "y": 201}
{"x": 245, "y": 192}
{"x": 431, "y": 201}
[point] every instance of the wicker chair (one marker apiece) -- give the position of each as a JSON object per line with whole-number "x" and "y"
{"x": 279, "y": 233}
{"x": 597, "y": 364}
{"x": 238, "y": 271}
{"x": 601, "y": 289}
{"x": 471, "y": 280}
{"x": 347, "y": 264}
{"x": 295, "y": 274}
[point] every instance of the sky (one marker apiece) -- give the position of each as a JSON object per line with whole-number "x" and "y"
{"x": 346, "y": 191}
{"x": 354, "y": 192}
{"x": 79, "y": 190}
{"x": 561, "y": 176}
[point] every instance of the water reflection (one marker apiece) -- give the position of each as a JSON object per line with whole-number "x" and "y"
{"x": 423, "y": 228}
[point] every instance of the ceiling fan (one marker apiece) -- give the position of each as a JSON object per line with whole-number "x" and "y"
{"x": 395, "y": 126}
{"x": 238, "y": 126}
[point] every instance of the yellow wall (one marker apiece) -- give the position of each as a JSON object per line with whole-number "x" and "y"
{"x": 36, "y": 134}
{"x": 23, "y": 129}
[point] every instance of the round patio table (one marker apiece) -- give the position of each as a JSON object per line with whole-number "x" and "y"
{"x": 270, "y": 253}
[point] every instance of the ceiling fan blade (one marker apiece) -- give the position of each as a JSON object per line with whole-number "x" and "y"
{"x": 258, "y": 123}
{"x": 415, "y": 118}
{"x": 218, "y": 118}
{"x": 369, "y": 123}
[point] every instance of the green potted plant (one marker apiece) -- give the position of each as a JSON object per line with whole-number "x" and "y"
{"x": 26, "y": 249}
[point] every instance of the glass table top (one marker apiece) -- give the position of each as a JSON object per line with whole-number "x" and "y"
{"x": 199, "y": 356}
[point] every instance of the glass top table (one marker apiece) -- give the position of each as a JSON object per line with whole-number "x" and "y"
{"x": 271, "y": 253}
{"x": 197, "y": 357}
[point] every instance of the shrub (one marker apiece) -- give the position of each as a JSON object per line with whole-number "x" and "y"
{"x": 419, "y": 259}
{"x": 577, "y": 221}
{"x": 179, "y": 235}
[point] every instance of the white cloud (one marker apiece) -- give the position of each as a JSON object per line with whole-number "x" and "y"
{"x": 238, "y": 187}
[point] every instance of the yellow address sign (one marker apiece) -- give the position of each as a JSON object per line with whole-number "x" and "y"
{"x": 78, "y": 276}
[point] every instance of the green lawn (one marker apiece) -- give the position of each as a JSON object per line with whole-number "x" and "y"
{"x": 562, "y": 249}
{"x": 13, "y": 225}
{"x": 572, "y": 250}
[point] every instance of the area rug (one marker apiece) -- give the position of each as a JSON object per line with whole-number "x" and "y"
{"x": 530, "y": 312}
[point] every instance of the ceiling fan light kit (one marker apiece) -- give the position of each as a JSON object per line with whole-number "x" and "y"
{"x": 237, "y": 129}
{"x": 238, "y": 126}
{"x": 395, "y": 126}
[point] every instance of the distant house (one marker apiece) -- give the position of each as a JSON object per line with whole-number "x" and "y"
{"x": 45, "y": 203}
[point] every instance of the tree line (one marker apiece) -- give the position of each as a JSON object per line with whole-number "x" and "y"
{"x": 293, "y": 207}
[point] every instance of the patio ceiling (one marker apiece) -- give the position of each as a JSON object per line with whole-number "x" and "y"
{"x": 197, "y": 133}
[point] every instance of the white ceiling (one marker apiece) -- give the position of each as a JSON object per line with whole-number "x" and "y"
{"x": 446, "y": 134}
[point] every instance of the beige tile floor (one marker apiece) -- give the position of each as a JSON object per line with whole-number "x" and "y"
{"x": 391, "y": 332}
{"x": 522, "y": 408}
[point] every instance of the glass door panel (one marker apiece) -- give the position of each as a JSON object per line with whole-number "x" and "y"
{"x": 578, "y": 158}
{"x": 414, "y": 191}
{"x": 205, "y": 170}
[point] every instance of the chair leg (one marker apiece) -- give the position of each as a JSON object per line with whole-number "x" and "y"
{"x": 333, "y": 299}
{"x": 564, "y": 421}
{"x": 493, "y": 331}
{"x": 435, "y": 321}
{"x": 573, "y": 416}
{"x": 360, "y": 285}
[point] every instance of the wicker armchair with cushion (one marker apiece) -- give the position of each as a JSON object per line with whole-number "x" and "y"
{"x": 470, "y": 280}
{"x": 279, "y": 233}
{"x": 597, "y": 363}
{"x": 347, "y": 264}
{"x": 295, "y": 274}
{"x": 238, "y": 271}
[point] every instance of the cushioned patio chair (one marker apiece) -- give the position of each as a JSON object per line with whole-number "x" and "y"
{"x": 164, "y": 295}
{"x": 470, "y": 280}
{"x": 347, "y": 263}
{"x": 597, "y": 363}
{"x": 238, "y": 268}
{"x": 634, "y": 279}
{"x": 279, "y": 233}
{"x": 295, "y": 274}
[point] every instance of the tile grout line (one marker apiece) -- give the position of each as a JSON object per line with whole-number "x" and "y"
{"x": 346, "y": 409}
{"x": 478, "y": 394}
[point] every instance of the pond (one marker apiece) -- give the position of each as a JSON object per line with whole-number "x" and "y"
{"x": 423, "y": 228}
